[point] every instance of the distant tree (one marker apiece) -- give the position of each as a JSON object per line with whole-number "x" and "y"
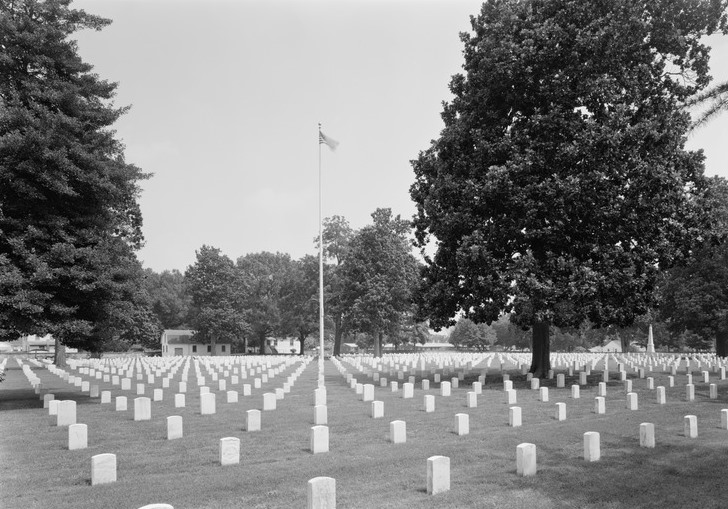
{"x": 299, "y": 299}
{"x": 695, "y": 300}
{"x": 560, "y": 186}
{"x": 379, "y": 275}
{"x": 264, "y": 277}
{"x": 68, "y": 199}
{"x": 130, "y": 317}
{"x": 166, "y": 291}
{"x": 510, "y": 335}
{"x": 468, "y": 334}
{"x": 337, "y": 235}
{"x": 214, "y": 285}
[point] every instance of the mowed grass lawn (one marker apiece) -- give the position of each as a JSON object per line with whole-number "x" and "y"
{"x": 38, "y": 471}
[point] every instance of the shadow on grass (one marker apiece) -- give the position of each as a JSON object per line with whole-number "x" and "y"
{"x": 668, "y": 476}
{"x": 24, "y": 399}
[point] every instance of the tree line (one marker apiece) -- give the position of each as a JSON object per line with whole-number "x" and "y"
{"x": 369, "y": 275}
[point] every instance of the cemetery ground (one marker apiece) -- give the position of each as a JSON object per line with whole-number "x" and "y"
{"x": 39, "y": 471}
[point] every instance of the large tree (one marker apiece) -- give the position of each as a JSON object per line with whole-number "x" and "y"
{"x": 337, "y": 235}
{"x": 560, "y": 185}
{"x": 379, "y": 275}
{"x": 68, "y": 209}
{"x": 693, "y": 298}
{"x": 265, "y": 275}
{"x": 299, "y": 299}
{"x": 169, "y": 300}
{"x": 216, "y": 290}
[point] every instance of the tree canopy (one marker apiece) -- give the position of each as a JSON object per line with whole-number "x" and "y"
{"x": 69, "y": 216}
{"x": 379, "y": 275}
{"x": 560, "y": 185}
{"x": 213, "y": 284}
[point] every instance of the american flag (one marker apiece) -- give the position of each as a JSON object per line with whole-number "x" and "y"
{"x": 332, "y": 144}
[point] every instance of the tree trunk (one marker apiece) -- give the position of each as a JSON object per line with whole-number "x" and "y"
{"x": 624, "y": 341}
{"x": 338, "y": 333}
{"x": 540, "y": 350}
{"x": 59, "y": 358}
{"x": 721, "y": 343}
{"x": 213, "y": 344}
{"x": 302, "y": 339}
{"x": 377, "y": 344}
{"x": 245, "y": 345}
{"x": 261, "y": 344}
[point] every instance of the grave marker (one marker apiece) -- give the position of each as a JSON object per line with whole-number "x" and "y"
{"x": 526, "y": 459}
{"x": 321, "y": 493}
{"x": 103, "y": 469}
{"x": 398, "y": 431}
{"x": 319, "y": 439}
{"x": 252, "y": 420}
{"x": 229, "y": 451}
{"x": 174, "y": 427}
{"x": 647, "y": 435}
{"x": 591, "y": 446}
{"x": 438, "y": 474}
{"x": 77, "y": 436}
{"x": 142, "y": 409}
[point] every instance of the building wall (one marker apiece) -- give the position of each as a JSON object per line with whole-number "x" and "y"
{"x": 198, "y": 349}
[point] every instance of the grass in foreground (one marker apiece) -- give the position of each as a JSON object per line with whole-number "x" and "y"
{"x": 37, "y": 471}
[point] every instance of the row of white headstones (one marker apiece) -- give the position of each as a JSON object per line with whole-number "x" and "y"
{"x": 322, "y": 489}
{"x": 103, "y": 466}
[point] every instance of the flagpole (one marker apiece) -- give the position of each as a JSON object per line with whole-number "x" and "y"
{"x": 321, "y": 271}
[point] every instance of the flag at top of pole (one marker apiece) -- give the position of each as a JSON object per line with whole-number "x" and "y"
{"x": 332, "y": 144}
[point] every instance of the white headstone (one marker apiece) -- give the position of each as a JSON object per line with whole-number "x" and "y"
{"x": 207, "y": 403}
{"x": 66, "y": 413}
{"x": 560, "y": 411}
{"x": 103, "y": 469}
{"x": 121, "y": 404}
{"x": 445, "y": 389}
{"x": 514, "y": 416}
{"x": 77, "y": 436}
{"x": 269, "y": 401}
{"x": 591, "y": 446}
{"x": 462, "y": 424}
{"x": 471, "y": 399}
{"x": 252, "y": 420}
{"x": 174, "y": 427}
{"x": 321, "y": 493}
{"x": 632, "y": 403}
{"x": 647, "y": 435}
{"x": 398, "y": 432}
{"x": 377, "y": 409}
{"x": 229, "y": 451}
{"x": 320, "y": 415}
{"x": 319, "y": 439}
{"x": 142, "y": 409}
{"x": 232, "y": 396}
{"x": 438, "y": 474}
{"x": 691, "y": 426}
{"x": 526, "y": 459}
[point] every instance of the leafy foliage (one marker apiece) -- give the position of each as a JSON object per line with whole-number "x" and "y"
{"x": 468, "y": 334}
{"x": 68, "y": 211}
{"x": 379, "y": 276}
{"x": 560, "y": 185}
{"x": 264, "y": 276}
{"x": 169, "y": 301}
{"x": 214, "y": 286}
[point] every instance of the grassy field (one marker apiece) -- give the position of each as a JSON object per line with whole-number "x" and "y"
{"x": 38, "y": 471}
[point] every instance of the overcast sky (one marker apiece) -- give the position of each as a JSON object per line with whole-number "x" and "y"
{"x": 226, "y": 99}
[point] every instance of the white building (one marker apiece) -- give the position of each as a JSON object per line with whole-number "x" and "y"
{"x": 177, "y": 342}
